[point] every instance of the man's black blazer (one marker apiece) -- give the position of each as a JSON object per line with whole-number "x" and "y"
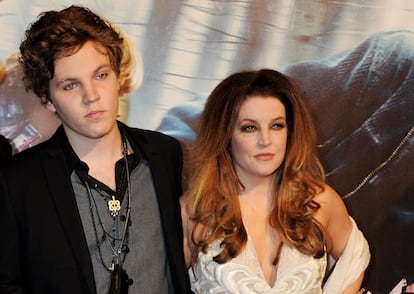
{"x": 42, "y": 246}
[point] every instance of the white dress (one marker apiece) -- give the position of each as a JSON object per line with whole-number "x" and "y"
{"x": 296, "y": 273}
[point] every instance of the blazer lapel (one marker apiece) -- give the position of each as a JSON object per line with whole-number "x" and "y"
{"x": 168, "y": 189}
{"x": 61, "y": 191}
{"x": 168, "y": 205}
{"x": 162, "y": 185}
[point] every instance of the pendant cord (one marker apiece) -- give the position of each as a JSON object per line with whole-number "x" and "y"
{"x": 127, "y": 219}
{"x": 116, "y": 260}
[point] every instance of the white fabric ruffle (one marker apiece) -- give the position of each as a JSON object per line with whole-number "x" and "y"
{"x": 297, "y": 273}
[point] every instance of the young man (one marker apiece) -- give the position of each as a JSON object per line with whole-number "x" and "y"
{"x": 95, "y": 208}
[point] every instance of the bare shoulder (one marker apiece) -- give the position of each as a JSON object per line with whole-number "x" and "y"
{"x": 333, "y": 216}
{"x": 331, "y": 204}
{"x": 328, "y": 197}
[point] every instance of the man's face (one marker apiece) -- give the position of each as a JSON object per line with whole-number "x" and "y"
{"x": 84, "y": 93}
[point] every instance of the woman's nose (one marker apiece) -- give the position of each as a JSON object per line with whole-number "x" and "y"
{"x": 264, "y": 138}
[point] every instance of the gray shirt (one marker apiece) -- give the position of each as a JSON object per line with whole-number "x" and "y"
{"x": 145, "y": 262}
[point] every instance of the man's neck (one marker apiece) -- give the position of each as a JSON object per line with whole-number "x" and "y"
{"x": 100, "y": 155}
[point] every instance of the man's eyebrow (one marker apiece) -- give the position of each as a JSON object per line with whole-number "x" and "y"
{"x": 69, "y": 79}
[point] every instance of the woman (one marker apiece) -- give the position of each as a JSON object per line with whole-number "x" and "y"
{"x": 258, "y": 216}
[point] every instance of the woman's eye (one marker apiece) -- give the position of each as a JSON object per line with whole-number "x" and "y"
{"x": 248, "y": 128}
{"x": 278, "y": 126}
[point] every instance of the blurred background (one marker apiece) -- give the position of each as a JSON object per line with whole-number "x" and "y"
{"x": 352, "y": 59}
{"x": 187, "y": 46}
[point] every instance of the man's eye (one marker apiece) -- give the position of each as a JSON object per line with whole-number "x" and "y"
{"x": 69, "y": 86}
{"x": 101, "y": 76}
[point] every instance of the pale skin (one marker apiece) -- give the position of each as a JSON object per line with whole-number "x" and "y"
{"x": 258, "y": 148}
{"x": 84, "y": 94}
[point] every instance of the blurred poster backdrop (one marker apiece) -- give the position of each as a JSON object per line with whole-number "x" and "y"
{"x": 352, "y": 59}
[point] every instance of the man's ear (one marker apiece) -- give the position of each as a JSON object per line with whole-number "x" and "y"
{"x": 50, "y": 106}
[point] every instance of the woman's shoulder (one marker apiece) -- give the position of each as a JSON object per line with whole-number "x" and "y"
{"x": 333, "y": 216}
{"x": 329, "y": 199}
{"x": 331, "y": 206}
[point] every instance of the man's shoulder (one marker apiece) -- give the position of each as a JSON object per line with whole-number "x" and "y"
{"x": 150, "y": 136}
{"x": 35, "y": 155}
{"x": 25, "y": 165}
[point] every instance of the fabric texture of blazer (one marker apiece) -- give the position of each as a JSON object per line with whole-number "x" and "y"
{"x": 43, "y": 248}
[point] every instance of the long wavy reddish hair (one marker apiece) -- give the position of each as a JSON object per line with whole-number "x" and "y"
{"x": 214, "y": 186}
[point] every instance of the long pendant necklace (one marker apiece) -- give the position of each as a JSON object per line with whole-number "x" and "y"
{"x": 119, "y": 279}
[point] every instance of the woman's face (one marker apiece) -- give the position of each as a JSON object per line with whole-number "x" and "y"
{"x": 259, "y": 139}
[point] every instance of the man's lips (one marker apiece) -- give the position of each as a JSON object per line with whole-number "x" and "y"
{"x": 94, "y": 114}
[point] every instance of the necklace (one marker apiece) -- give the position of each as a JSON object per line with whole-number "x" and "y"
{"x": 114, "y": 206}
{"x": 117, "y": 244}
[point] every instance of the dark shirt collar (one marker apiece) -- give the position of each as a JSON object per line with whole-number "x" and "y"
{"x": 81, "y": 168}
{"x": 72, "y": 158}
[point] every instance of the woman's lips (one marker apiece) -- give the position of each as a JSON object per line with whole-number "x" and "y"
{"x": 264, "y": 156}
